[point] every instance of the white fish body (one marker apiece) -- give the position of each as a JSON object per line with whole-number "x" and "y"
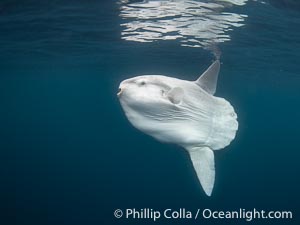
{"x": 184, "y": 113}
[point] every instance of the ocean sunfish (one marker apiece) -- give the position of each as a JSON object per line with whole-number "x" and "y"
{"x": 184, "y": 113}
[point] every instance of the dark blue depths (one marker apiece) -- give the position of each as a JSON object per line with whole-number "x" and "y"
{"x": 69, "y": 155}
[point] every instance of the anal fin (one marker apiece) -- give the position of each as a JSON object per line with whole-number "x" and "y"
{"x": 204, "y": 165}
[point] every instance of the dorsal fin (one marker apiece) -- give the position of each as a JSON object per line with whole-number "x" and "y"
{"x": 208, "y": 80}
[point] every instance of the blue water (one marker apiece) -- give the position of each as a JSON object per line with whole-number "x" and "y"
{"x": 68, "y": 153}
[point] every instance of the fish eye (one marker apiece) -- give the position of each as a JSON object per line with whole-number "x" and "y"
{"x": 142, "y": 83}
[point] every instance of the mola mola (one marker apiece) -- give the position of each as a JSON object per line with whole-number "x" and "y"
{"x": 184, "y": 113}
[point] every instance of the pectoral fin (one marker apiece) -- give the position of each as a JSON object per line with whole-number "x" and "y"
{"x": 175, "y": 95}
{"x": 204, "y": 165}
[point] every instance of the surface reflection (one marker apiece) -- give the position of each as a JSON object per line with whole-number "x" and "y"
{"x": 194, "y": 23}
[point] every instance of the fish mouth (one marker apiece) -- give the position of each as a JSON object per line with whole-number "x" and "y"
{"x": 119, "y": 92}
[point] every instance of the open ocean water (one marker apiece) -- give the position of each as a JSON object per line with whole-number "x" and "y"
{"x": 68, "y": 153}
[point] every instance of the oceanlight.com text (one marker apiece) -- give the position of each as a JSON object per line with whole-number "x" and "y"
{"x": 248, "y": 215}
